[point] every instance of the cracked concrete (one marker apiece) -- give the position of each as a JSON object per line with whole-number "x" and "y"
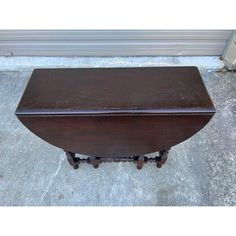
{"x": 200, "y": 171}
{"x": 54, "y": 175}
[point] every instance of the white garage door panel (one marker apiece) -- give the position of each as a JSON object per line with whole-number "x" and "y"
{"x": 112, "y": 43}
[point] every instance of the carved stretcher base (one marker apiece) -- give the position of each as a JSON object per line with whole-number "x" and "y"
{"x": 138, "y": 160}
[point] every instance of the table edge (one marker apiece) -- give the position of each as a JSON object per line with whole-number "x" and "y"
{"x": 120, "y": 112}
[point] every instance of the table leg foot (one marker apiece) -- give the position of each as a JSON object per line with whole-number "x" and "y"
{"x": 140, "y": 162}
{"x": 71, "y": 159}
{"x": 95, "y": 161}
{"x": 162, "y": 158}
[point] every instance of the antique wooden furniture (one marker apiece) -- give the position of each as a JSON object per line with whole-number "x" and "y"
{"x": 115, "y": 114}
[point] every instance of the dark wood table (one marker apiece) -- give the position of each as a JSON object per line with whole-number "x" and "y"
{"x": 115, "y": 114}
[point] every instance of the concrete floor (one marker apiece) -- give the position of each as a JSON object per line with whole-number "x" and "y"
{"x": 200, "y": 171}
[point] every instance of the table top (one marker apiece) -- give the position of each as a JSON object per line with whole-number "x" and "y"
{"x": 115, "y": 90}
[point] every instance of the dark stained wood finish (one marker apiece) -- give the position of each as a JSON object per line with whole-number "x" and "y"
{"x": 115, "y": 112}
{"x": 111, "y": 90}
{"x": 108, "y": 136}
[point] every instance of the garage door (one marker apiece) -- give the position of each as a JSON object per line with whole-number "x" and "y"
{"x": 113, "y": 42}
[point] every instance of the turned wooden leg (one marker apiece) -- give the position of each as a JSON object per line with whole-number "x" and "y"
{"x": 71, "y": 159}
{"x": 95, "y": 161}
{"x": 162, "y": 158}
{"x": 140, "y": 162}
